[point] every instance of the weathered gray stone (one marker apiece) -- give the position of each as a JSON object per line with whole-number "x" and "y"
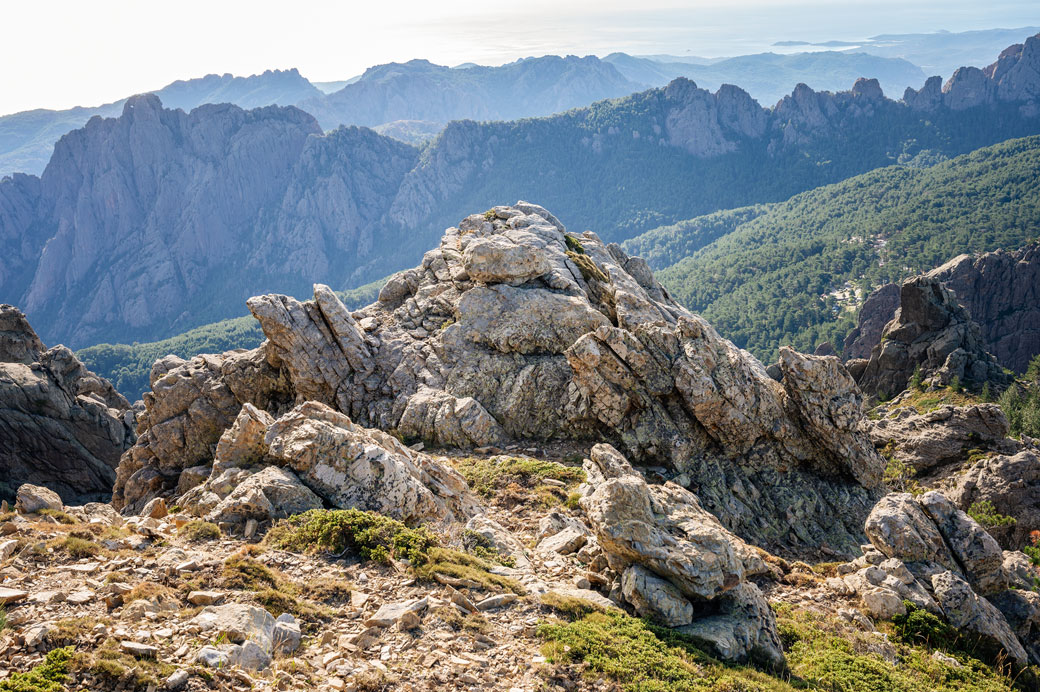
{"x": 975, "y": 616}
{"x": 655, "y": 598}
{"x": 30, "y": 499}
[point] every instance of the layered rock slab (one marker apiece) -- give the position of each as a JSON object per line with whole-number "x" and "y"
{"x": 679, "y": 566}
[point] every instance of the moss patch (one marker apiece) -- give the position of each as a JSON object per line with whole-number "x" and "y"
{"x": 460, "y": 565}
{"x": 822, "y": 654}
{"x": 247, "y": 574}
{"x": 518, "y": 480}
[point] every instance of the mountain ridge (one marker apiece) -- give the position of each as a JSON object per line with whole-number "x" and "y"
{"x": 331, "y": 207}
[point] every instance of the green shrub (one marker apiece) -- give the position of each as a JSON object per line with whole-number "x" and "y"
{"x": 61, "y": 516}
{"x": 49, "y": 676}
{"x": 573, "y": 244}
{"x": 920, "y": 627}
{"x": 987, "y": 515}
{"x": 489, "y": 477}
{"x": 372, "y": 536}
{"x": 1022, "y": 409}
{"x": 80, "y": 548}
{"x": 198, "y": 531}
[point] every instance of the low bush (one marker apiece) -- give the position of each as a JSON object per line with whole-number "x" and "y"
{"x": 49, "y": 676}
{"x": 198, "y": 531}
{"x": 370, "y": 535}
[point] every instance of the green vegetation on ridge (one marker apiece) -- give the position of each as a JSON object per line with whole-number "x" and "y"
{"x": 772, "y": 280}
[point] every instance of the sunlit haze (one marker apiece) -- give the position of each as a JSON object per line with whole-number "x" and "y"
{"x": 59, "y": 54}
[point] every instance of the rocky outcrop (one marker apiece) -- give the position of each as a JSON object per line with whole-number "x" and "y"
{"x": 926, "y": 550}
{"x": 1000, "y": 290}
{"x": 679, "y": 566}
{"x": 61, "y": 426}
{"x": 561, "y": 336}
{"x": 934, "y": 334}
{"x": 1013, "y": 78}
{"x": 877, "y": 310}
{"x": 1011, "y": 483}
{"x": 929, "y": 442}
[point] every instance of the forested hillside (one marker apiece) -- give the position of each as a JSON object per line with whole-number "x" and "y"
{"x": 789, "y": 274}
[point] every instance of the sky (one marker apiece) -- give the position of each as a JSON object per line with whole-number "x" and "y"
{"x": 57, "y": 54}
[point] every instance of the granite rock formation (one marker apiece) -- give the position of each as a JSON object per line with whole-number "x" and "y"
{"x": 673, "y": 554}
{"x": 927, "y": 551}
{"x": 933, "y": 334}
{"x": 61, "y": 426}
{"x": 1000, "y": 290}
{"x": 514, "y": 329}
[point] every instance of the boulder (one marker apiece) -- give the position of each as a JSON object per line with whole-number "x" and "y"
{"x": 677, "y": 561}
{"x": 30, "y": 499}
{"x": 976, "y": 617}
{"x": 744, "y": 629}
{"x": 354, "y": 467}
{"x": 697, "y": 554}
{"x": 929, "y": 534}
{"x": 883, "y": 603}
{"x": 64, "y": 426}
{"x": 655, "y": 598}
{"x": 271, "y": 493}
{"x": 567, "y": 541}
{"x": 239, "y": 622}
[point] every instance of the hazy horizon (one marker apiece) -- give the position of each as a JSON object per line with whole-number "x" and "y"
{"x": 105, "y": 51}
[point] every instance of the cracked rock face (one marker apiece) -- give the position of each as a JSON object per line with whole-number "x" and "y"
{"x": 930, "y": 331}
{"x": 514, "y": 329}
{"x": 942, "y": 560}
{"x": 61, "y": 426}
{"x": 680, "y": 567}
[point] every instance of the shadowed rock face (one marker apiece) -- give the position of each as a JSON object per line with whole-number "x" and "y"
{"x": 932, "y": 332}
{"x": 1000, "y": 290}
{"x": 513, "y": 329}
{"x": 61, "y": 426}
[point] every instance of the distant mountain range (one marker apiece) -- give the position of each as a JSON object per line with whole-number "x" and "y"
{"x": 419, "y": 91}
{"x": 154, "y": 222}
{"x": 768, "y": 77}
{"x": 938, "y": 53}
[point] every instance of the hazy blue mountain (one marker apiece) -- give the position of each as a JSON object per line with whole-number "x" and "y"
{"x": 27, "y": 138}
{"x": 149, "y": 224}
{"x": 938, "y": 53}
{"x": 421, "y": 90}
{"x": 272, "y": 88}
{"x": 768, "y": 77}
